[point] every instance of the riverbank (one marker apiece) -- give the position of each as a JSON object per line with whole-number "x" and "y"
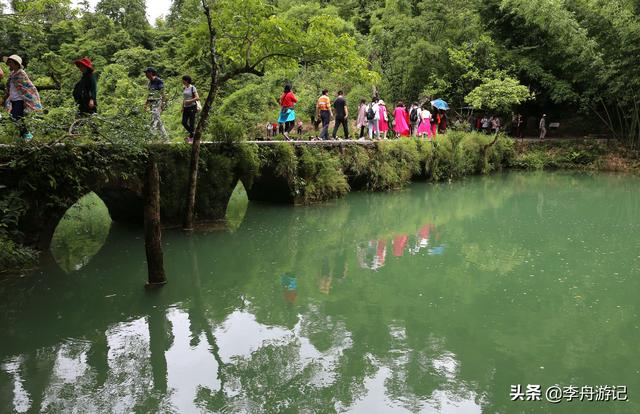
{"x": 585, "y": 155}
{"x": 36, "y": 192}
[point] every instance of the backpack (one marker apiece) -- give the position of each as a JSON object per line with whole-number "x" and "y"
{"x": 413, "y": 116}
{"x": 371, "y": 115}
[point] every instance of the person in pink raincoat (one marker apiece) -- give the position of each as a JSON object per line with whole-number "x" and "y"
{"x": 401, "y": 127}
{"x": 383, "y": 124}
{"x": 361, "y": 123}
{"x": 424, "y": 129}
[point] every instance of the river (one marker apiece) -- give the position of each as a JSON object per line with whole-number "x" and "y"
{"x": 441, "y": 298}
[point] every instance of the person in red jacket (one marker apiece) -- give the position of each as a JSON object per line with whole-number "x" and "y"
{"x": 287, "y": 115}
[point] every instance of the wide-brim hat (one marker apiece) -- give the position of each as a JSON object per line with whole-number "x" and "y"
{"x": 15, "y": 58}
{"x": 85, "y": 61}
{"x": 381, "y": 102}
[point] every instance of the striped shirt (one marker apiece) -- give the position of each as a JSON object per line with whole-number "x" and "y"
{"x": 324, "y": 103}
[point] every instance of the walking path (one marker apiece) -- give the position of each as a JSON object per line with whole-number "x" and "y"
{"x": 339, "y": 142}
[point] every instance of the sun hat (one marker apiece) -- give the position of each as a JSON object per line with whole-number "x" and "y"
{"x": 85, "y": 61}
{"x": 15, "y": 58}
{"x": 381, "y": 102}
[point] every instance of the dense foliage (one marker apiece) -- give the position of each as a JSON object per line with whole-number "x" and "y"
{"x": 577, "y": 55}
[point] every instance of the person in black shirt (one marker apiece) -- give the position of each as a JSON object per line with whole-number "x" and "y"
{"x": 86, "y": 90}
{"x": 341, "y": 114}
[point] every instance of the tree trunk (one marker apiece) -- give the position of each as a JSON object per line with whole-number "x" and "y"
{"x": 152, "y": 230}
{"x": 187, "y": 223}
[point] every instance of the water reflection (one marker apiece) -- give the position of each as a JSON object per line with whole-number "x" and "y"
{"x": 472, "y": 290}
{"x": 81, "y": 233}
{"x": 372, "y": 254}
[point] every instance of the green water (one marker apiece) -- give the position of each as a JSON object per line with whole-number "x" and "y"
{"x": 434, "y": 299}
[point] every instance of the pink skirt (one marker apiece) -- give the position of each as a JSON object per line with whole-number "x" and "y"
{"x": 425, "y": 127}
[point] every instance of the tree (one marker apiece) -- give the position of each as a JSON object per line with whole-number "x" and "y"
{"x": 129, "y": 15}
{"x": 499, "y": 94}
{"x": 249, "y": 38}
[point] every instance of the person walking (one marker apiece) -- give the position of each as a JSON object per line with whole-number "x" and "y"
{"x": 190, "y": 100}
{"x": 484, "y": 122}
{"x": 435, "y": 122}
{"x": 342, "y": 114}
{"x": 443, "y": 122}
{"x": 156, "y": 101}
{"x": 414, "y": 118}
{"x": 424, "y": 128}
{"x": 383, "y": 123}
{"x": 362, "y": 118}
{"x": 400, "y": 127}
{"x": 287, "y": 116}
{"x": 85, "y": 92}
{"x": 323, "y": 112}
{"x": 543, "y": 126}
{"x": 519, "y": 122}
{"x": 21, "y": 96}
{"x": 373, "y": 118}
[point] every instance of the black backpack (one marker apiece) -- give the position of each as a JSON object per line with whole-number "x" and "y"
{"x": 413, "y": 116}
{"x": 371, "y": 115}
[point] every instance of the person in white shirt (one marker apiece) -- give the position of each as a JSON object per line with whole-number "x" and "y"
{"x": 373, "y": 118}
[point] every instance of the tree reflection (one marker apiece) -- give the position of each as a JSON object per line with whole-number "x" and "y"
{"x": 81, "y": 233}
{"x": 472, "y": 291}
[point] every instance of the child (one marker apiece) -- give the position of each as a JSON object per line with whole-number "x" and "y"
{"x": 269, "y": 130}
{"x": 299, "y": 128}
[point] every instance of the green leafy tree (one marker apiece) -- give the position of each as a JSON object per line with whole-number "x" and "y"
{"x": 499, "y": 94}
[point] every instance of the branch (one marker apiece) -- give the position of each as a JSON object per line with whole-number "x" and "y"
{"x": 252, "y": 68}
{"x": 269, "y": 56}
{"x": 238, "y": 71}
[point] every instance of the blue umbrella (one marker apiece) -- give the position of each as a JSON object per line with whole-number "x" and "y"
{"x": 440, "y": 104}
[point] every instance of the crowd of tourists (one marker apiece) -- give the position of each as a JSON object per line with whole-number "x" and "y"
{"x": 21, "y": 97}
{"x": 373, "y": 119}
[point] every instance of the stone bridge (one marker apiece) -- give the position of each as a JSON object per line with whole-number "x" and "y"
{"x": 51, "y": 178}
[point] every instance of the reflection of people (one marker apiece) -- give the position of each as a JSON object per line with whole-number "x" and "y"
{"x": 327, "y": 273}
{"x": 373, "y": 255}
{"x": 399, "y": 244}
{"x": 438, "y": 250}
{"x": 290, "y": 286}
{"x": 325, "y": 277}
{"x": 381, "y": 254}
{"x": 422, "y": 238}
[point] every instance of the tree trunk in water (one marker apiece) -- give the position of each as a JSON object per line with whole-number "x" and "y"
{"x": 152, "y": 230}
{"x": 187, "y": 223}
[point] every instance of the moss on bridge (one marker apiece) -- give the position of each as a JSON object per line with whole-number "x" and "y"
{"x": 50, "y": 179}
